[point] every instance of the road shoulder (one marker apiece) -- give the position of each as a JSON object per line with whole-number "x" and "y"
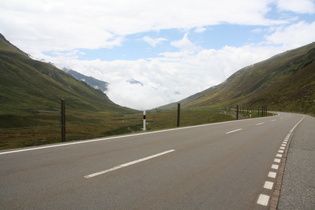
{"x": 298, "y": 184}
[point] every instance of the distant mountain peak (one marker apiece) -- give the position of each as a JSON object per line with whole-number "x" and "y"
{"x": 135, "y": 82}
{"x": 95, "y": 83}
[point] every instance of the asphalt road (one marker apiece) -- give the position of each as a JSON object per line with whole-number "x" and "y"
{"x": 230, "y": 165}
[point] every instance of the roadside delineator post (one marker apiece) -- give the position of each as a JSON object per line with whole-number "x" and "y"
{"x": 144, "y": 121}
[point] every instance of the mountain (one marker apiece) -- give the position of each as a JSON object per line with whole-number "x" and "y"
{"x": 95, "y": 83}
{"x": 285, "y": 82}
{"x": 135, "y": 82}
{"x": 27, "y": 84}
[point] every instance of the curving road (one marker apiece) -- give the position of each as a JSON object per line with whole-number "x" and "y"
{"x": 230, "y": 165}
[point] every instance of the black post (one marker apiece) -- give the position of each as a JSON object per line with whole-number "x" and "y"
{"x": 63, "y": 120}
{"x": 237, "y": 109}
{"x": 178, "y": 114}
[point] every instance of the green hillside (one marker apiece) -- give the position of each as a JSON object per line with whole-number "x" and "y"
{"x": 27, "y": 84}
{"x": 285, "y": 82}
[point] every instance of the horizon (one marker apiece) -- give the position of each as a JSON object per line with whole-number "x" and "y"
{"x": 156, "y": 53}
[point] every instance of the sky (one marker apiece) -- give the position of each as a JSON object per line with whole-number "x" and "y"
{"x": 155, "y": 52}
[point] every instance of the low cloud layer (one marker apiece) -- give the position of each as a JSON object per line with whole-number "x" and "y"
{"x": 170, "y": 47}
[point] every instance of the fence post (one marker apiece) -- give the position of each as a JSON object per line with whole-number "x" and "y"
{"x": 237, "y": 110}
{"x": 178, "y": 114}
{"x": 144, "y": 121}
{"x": 63, "y": 120}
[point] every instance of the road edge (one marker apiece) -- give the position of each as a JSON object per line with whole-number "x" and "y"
{"x": 276, "y": 194}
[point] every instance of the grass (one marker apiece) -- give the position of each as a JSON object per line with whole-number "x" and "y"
{"x": 44, "y": 128}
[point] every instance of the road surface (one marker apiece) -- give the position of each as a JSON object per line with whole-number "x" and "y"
{"x": 229, "y": 165}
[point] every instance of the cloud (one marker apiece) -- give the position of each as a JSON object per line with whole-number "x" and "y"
{"x": 38, "y": 26}
{"x": 185, "y": 45}
{"x": 175, "y": 75}
{"x": 200, "y": 29}
{"x": 297, "y": 6}
{"x": 293, "y": 36}
{"x": 168, "y": 78}
{"x": 153, "y": 41}
{"x": 63, "y": 27}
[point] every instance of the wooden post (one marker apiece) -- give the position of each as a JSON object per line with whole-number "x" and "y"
{"x": 178, "y": 114}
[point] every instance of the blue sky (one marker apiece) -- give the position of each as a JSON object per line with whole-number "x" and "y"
{"x": 173, "y": 48}
{"x": 135, "y": 47}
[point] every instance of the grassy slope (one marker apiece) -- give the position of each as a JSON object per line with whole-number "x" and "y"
{"x": 27, "y": 84}
{"x": 283, "y": 82}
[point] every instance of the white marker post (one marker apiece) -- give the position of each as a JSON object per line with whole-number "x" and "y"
{"x": 144, "y": 121}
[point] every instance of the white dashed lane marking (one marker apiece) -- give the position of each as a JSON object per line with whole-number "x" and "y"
{"x": 272, "y": 174}
{"x": 268, "y": 185}
{"x": 263, "y": 199}
{"x": 277, "y": 160}
{"x": 234, "y": 131}
{"x": 127, "y": 164}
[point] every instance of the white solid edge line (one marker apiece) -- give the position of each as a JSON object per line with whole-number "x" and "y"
{"x": 127, "y": 164}
{"x": 118, "y": 137}
{"x": 234, "y": 131}
{"x": 263, "y": 200}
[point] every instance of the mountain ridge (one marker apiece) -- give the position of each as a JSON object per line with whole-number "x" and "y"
{"x": 27, "y": 84}
{"x": 93, "y": 82}
{"x": 292, "y": 73}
